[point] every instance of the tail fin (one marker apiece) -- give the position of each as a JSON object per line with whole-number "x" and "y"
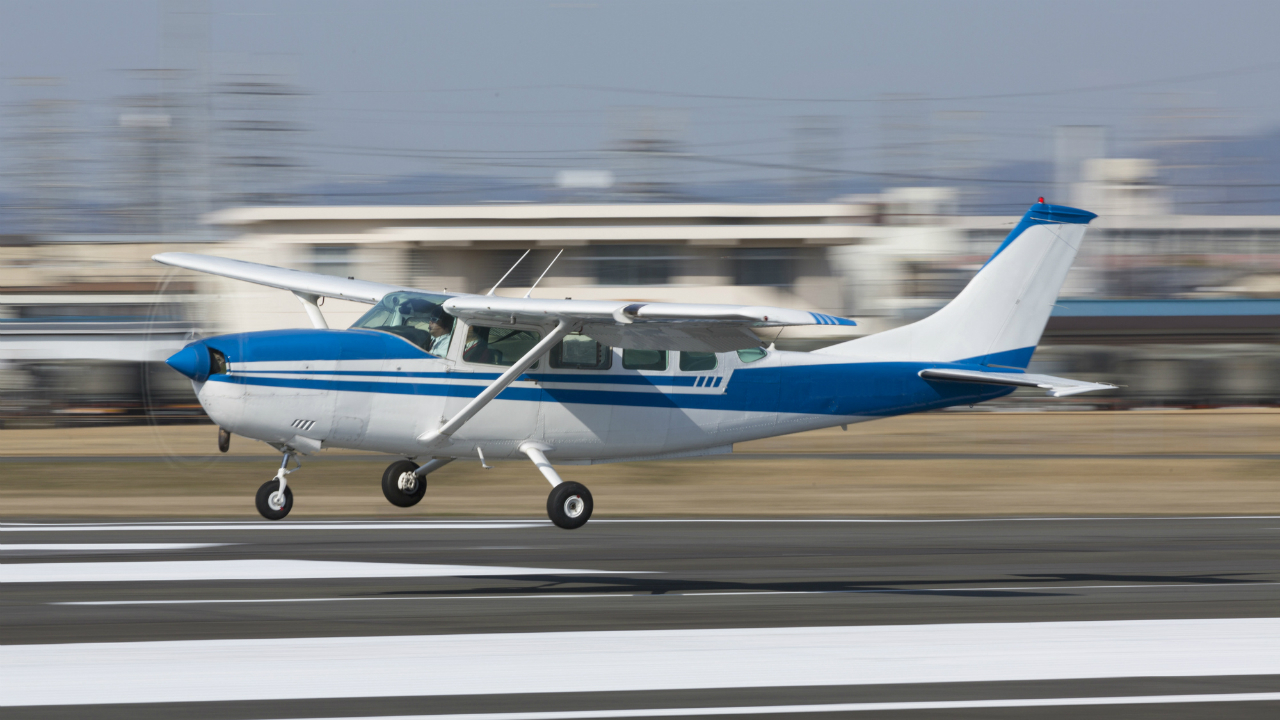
{"x": 999, "y": 316}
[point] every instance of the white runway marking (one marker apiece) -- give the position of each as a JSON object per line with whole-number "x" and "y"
{"x": 106, "y": 547}
{"x": 738, "y": 593}
{"x": 844, "y": 707}
{"x": 265, "y": 525}
{"x": 182, "y": 570}
{"x": 606, "y": 661}
{"x": 544, "y": 596}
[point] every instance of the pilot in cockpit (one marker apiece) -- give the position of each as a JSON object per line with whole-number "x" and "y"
{"x": 441, "y": 329}
{"x": 415, "y": 318}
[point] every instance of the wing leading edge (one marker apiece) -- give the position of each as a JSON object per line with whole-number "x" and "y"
{"x": 296, "y": 281}
{"x": 631, "y": 325}
{"x": 1054, "y": 386}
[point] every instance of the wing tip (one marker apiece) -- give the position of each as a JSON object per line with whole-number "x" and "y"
{"x": 824, "y": 319}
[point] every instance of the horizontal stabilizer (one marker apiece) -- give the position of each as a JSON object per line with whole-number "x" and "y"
{"x": 1055, "y": 386}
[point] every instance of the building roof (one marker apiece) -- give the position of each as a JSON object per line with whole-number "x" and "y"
{"x": 524, "y": 211}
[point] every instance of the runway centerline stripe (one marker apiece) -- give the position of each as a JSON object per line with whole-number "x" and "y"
{"x": 844, "y": 707}
{"x": 636, "y": 660}
{"x": 739, "y": 593}
{"x": 186, "y": 570}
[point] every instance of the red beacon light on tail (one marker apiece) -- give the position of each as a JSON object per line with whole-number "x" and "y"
{"x": 1040, "y": 201}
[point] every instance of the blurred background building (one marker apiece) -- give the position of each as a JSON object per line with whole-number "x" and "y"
{"x": 877, "y": 207}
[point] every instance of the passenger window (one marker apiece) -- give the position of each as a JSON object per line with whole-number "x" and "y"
{"x": 579, "y": 352}
{"x": 498, "y": 346}
{"x": 697, "y": 361}
{"x": 644, "y": 359}
{"x": 750, "y": 355}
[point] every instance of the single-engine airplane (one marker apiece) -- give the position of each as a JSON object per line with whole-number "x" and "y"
{"x": 433, "y": 377}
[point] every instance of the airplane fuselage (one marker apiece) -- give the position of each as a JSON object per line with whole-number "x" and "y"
{"x": 371, "y": 390}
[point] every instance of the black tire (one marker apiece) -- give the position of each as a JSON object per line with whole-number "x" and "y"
{"x": 265, "y": 509}
{"x": 391, "y": 484}
{"x": 569, "y": 505}
{"x": 224, "y": 441}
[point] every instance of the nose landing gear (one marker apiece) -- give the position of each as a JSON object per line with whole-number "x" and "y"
{"x": 275, "y": 499}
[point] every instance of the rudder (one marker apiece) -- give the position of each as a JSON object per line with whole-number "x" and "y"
{"x": 1000, "y": 315}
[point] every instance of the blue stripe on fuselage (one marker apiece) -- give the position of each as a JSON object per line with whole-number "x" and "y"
{"x": 835, "y": 389}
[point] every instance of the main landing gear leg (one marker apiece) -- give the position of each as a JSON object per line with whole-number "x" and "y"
{"x": 569, "y": 505}
{"x": 275, "y": 499}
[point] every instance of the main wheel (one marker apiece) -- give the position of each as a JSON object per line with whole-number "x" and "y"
{"x": 569, "y": 505}
{"x": 401, "y": 486}
{"x": 270, "y": 504}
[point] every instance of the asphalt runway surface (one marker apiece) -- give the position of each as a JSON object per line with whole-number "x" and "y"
{"x": 518, "y": 620}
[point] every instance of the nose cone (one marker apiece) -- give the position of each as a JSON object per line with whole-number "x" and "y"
{"x": 192, "y": 361}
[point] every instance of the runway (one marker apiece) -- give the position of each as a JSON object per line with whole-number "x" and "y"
{"x": 517, "y": 620}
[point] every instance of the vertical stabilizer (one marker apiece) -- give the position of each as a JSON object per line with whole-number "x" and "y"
{"x": 999, "y": 316}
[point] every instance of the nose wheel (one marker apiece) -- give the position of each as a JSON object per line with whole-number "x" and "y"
{"x": 273, "y": 504}
{"x": 275, "y": 498}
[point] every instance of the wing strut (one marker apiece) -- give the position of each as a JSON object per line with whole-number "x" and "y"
{"x": 313, "y": 309}
{"x": 442, "y": 434}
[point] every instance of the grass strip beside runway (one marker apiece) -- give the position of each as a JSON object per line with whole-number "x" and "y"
{"x": 931, "y": 465}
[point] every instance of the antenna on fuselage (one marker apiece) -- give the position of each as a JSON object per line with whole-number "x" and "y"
{"x": 504, "y": 277}
{"x": 544, "y": 272}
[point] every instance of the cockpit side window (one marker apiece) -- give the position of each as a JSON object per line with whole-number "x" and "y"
{"x": 416, "y": 317}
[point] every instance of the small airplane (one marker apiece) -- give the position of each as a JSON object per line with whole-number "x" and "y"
{"x": 435, "y": 377}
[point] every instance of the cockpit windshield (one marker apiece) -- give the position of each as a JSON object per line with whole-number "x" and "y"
{"x": 416, "y": 317}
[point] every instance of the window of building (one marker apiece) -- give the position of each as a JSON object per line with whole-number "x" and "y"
{"x": 772, "y": 267}
{"x": 633, "y": 264}
{"x": 332, "y": 260}
{"x": 498, "y": 346}
{"x": 644, "y": 359}
{"x": 697, "y": 361}
{"x": 579, "y": 352}
{"x": 500, "y": 261}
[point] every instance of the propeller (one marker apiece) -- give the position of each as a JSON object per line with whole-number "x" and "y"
{"x": 164, "y": 335}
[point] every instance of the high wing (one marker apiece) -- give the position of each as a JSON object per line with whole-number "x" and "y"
{"x": 641, "y": 326}
{"x": 1055, "y": 386}
{"x": 296, "y": 281}
{"x": 632, "y": 325}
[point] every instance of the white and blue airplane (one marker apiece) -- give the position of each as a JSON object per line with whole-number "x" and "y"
{"x": 434, "y": 377}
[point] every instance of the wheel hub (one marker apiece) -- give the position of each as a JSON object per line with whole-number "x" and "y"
{"x": 275, "y": 501}
{"x": 407, "y": 483}
{"x": 574, "y": 506}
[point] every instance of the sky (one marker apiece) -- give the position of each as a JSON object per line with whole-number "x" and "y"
{"x": 530, "y": 87}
